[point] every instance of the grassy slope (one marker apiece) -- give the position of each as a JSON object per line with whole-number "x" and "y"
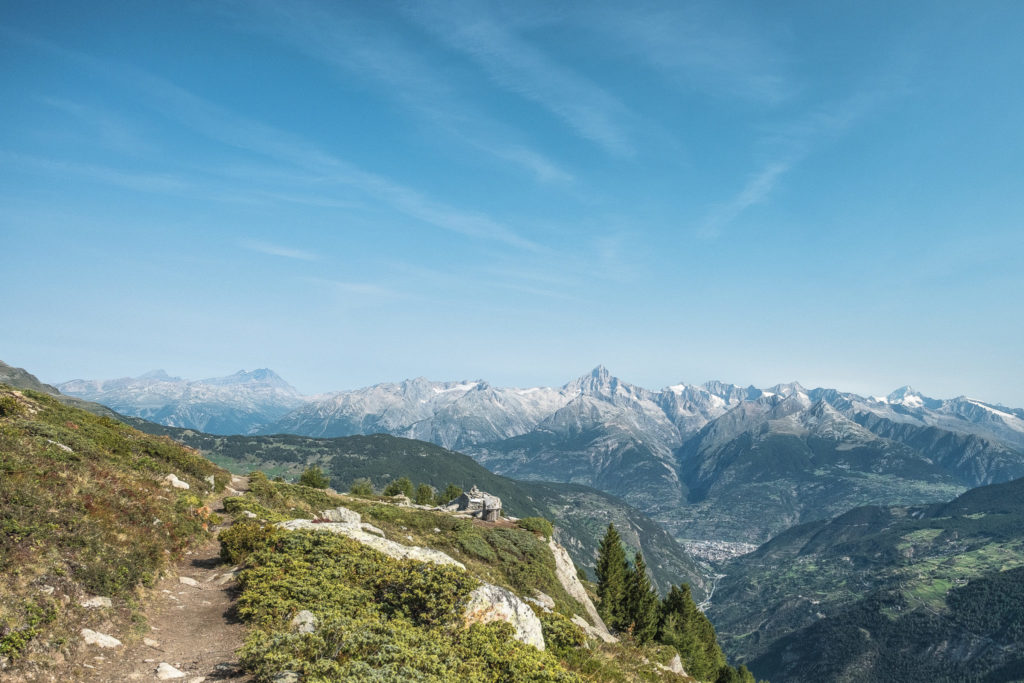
{"x": 581, "y": 513}
{"x": 880, "y": 592}
{"x": 82, "y": 512}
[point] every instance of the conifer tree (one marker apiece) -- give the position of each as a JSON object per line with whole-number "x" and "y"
{"x": 450, "y": 493}
{"x": 400, "y": 486}
{"x": 425, "y": 495}
{"x": 641, "y": 603}
{"x": 685, "y": 627}
{"x": 612, "y": 570}
{"x": 315, "y": 478}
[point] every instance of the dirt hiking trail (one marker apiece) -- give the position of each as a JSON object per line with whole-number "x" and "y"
{"x": 192, "y": 630}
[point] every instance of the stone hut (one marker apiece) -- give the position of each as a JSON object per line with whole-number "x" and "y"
{"x": 477, "y": 503}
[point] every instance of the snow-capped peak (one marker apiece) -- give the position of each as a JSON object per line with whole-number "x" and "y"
{"x": 906, "y": 396}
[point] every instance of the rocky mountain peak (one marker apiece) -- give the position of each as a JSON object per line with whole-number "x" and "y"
{"x": 599, "y": 382}
{"x": 159, "y": 375}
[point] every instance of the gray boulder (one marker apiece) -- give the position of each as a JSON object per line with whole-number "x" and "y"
{"x": 304, "y": 622}
{"x": 493, "y": 603}
{"x": 341, "y": 514}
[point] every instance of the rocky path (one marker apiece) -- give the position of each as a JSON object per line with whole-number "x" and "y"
{"x": 192, "y": 632}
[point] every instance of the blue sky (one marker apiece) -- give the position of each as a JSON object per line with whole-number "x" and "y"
{"x": 359, "y": 192}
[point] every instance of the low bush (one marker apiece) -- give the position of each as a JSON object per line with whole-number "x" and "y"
{"x": 537, "y": 525}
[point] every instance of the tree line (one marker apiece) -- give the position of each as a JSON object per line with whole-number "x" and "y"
{"x": 629, "y": 604}
{"x": 424, "y": 494}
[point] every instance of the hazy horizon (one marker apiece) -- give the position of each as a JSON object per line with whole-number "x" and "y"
{"x": 554, "y": 384}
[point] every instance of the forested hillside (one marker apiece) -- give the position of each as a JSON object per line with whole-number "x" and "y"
{"x": 885, "y": 593}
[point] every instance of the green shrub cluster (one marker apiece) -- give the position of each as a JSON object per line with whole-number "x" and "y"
{"x": 293, "y": 500}
{"x": 378, "y": 619}
{"x": 560, "y": 634}
{"x": 537, "y": 525}
{"x": 243, "y": 538}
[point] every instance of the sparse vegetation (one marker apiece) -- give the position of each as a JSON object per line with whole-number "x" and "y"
{"x": 83, "y": 512}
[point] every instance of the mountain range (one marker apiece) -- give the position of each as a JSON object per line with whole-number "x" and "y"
{"x": 222, "y": 405}
{"x": 715, "y": 461}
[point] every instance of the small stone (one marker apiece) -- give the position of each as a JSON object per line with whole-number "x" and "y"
{"x": 99, "y": 639}
{"x": 173, "y": 481}
{"x": 371, "y": 529}
{"x": 197, "y": 679}
{"x": 150, "y": 642}
{"x": 47, "y": 590}
{"x": 148, "y": 661}
{"x": 166, "y": 672}
{"x": 227, "y": 577}
{"x": 286, "y": 677}
{"x": 249, "y": 514}
{"x": 543, "y": 599}
{"x": 437, "y": 530}
{"x": 95, "y": 602}
{"x": 210, "y": 480}
{"x": 304, "y": 622}
{"x": 188, "y": 582}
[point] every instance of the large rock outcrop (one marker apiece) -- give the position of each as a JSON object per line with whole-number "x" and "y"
{"x": 565, "y": 570}
{"x": 493, "y": 603}
{"x": 389, "y": 548}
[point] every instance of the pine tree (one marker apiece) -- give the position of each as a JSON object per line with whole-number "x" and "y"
{"x": 315, "y": 478}
{"x": 450, "y": 493}
{"x": 612, "y": 570}
{"x": 641, "y": 602}
{"x": 400, "y": 486}
{"x": 425, "y": 495}
{"x": 685, "y": 627}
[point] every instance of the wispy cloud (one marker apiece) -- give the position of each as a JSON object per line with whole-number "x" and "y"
{"x": 278, "y": 250}
{"x": 131, "y": 180}
{"x": 756, "y": 190}
{"x": 339, "y": 37}
{"x": 791, "y": 143}
{"x": 363, "y": 290}
{"x": 104, "y": 127}
{"x": 696, "y": 45}
{"x": 228, "y": 128}
{"x": 522, "y": 68}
